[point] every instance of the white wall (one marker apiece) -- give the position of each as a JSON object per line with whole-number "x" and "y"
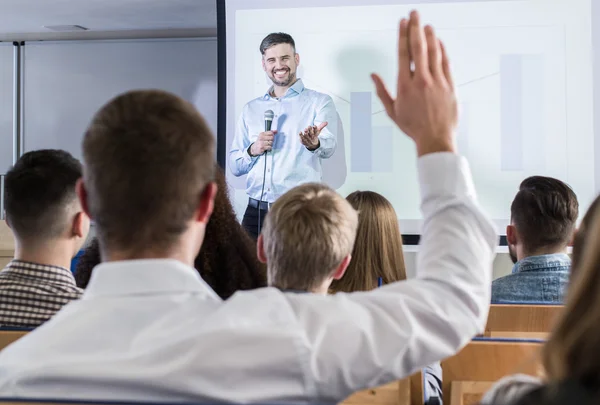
{"x": 502, "y": 263}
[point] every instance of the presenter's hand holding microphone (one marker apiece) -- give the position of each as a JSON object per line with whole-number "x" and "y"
{"x": 425, "y": 107}
{"x": 264, "y": 142}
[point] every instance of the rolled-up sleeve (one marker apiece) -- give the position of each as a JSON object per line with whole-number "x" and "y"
{"x": 328, "y": 136}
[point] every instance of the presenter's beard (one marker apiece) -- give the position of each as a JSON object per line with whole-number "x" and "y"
{"x": 291, "y": 78}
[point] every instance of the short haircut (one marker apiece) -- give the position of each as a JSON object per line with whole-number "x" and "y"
{"x": 306, "y": 235}
{"x": 276, "y": 38}
{"x": 148, "y": 156}
{"x": 39, "y": 194}
{"x": 544, "y": 212}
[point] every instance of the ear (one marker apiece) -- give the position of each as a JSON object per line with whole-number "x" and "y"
{"x": 263, "y": 63}
{"x": 83, "y": 197}
{"x": 341, "y": 269}
{"x": 260, "y": 250}
{"x": 207, "y": 203}
{"x": 297, "y": 59}
{"x": 80, "y": 225}
{"x": 511, "y": 235}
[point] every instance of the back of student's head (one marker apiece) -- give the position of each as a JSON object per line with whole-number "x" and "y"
{"x": 309, "y": 231}
{"x": 39, "y": 195}
{"x": 571, "y": 353}
{"x": 544, "y": 213}
{"x": 148, "y": 156}
{"x": 227, "y": 260}
{"x": 378, "y": 246}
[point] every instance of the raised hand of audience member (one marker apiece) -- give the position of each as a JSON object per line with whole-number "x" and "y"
{"x": 425, "y": 107}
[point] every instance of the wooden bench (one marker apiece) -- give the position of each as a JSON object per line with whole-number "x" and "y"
{"x": 9, "y": 335}
{"x": 521, "y": 320}
{"x": 470, "y": 373}
{"x": 395, "y": 393}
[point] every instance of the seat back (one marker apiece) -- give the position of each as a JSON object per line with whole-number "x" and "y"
{"x": 471, "y": 372}
{"x": 394, "y": 393}
{"x": 533, "y": 321}
{"x": 9, "y": 335}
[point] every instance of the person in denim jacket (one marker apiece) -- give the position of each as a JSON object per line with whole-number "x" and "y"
{"x": 543, "y": 217}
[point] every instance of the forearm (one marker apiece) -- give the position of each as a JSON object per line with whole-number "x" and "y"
{"x": 241, "y": 162}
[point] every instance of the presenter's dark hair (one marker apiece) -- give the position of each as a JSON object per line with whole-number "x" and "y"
{"x": 276, "y": 38}
{"x": 544, "y": 212}
{"x": 40, "y": 193}
{"x": 227, "y": 260}
{"x": 148, "y": 157}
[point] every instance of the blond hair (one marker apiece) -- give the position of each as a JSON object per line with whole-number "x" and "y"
{"x": 378, "y": 247}
{"x": 572, "y": 349}
{"x": 306, "y": 235}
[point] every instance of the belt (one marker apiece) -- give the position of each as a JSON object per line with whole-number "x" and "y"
{"x": 262, "y": 204}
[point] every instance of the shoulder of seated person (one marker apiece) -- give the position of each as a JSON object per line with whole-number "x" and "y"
{"x": 510, "y": 388}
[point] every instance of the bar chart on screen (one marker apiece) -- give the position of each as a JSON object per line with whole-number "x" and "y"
{"x": 522, "y": 74}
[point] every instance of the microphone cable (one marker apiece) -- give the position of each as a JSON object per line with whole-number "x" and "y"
{"x": 262, "y": 191}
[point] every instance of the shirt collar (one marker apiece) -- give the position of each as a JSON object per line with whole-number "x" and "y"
{"x": 46, "y": 272}
{"x": 556, "y": 261}
{"x": 149, "y": 276}
{"x": 296, "y": 89}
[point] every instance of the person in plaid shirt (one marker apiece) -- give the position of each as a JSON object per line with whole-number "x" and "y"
{"x": 49, "y": 228}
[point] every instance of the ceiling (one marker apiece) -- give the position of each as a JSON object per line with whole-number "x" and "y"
{"x": 25, "y": 19}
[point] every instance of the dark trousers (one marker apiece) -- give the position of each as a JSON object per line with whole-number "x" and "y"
{"x": 250, "y": 221}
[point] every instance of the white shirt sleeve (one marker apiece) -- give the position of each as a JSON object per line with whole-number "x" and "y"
{"x": 370, "y": 338}
{"x": 328, "y": 136}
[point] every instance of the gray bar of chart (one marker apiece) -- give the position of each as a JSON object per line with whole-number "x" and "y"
{"x": 383, "y": 149}
{"x": 533, "y": 113}
{"x": 511, "y": 113}
{"x": 360, "y": 132}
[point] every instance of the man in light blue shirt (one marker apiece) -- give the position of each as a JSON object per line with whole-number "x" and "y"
{"x": 303, "y": 132}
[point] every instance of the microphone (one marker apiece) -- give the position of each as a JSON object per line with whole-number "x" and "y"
{"x": 269, "y": 114}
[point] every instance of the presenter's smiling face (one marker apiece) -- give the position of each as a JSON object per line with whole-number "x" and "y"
{"x": 280, "y": 62}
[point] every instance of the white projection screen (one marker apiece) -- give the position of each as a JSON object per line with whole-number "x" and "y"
{"x": 524, "y": 71}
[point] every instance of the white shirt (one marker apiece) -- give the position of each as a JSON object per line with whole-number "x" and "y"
{"x": 154, "y": 330}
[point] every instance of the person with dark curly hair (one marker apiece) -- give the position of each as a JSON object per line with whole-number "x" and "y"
{"x": 227, "y": 260}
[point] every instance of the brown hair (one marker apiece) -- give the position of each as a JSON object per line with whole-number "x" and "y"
{"x": 227, "y": 260}
{"x": 306, "y": 235}
{"x": 378, "y": 247}
{"x": 148, "y": 157}
{"x": 572, "y": 349}
{"x": 39, "y": 194}
{"x": 544, "y": 213}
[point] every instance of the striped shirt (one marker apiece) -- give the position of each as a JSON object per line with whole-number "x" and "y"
{"x": 31, "y": 293}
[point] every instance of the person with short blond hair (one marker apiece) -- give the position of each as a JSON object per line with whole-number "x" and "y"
{"x": 308, "y": 238}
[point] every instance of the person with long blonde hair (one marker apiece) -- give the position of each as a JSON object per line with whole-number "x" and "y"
{"x": 377, "y": 251}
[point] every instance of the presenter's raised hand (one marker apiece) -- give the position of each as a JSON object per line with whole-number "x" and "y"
{"x": 310, "y": 136}
{"x": 263, "y": 143}
{"x": 425, "y": 107}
